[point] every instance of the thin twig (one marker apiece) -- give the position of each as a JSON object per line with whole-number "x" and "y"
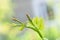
{"x": 36, "y": 29}
{"x": 16, "y": 20}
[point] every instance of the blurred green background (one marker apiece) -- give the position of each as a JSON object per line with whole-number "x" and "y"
{"x": 18, "y": 9}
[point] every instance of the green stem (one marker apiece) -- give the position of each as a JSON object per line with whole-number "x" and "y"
{"x": 37, "y": 32}
{"x": 36, "y": 29}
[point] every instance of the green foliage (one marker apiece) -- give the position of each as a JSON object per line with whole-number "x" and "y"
{"x": 36, "y": 23}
